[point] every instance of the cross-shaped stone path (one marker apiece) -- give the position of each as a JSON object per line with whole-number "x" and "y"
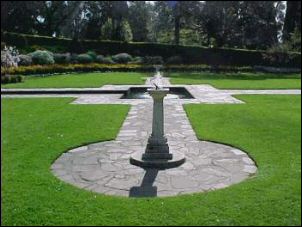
{"x": 104, "y": 167}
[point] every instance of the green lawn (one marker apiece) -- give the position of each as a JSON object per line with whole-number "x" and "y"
{"x": 36, "y": 131}
{"x": 239, "y": 80}
{"x": 80, "y": 80}
{"x": 223, "y": 80}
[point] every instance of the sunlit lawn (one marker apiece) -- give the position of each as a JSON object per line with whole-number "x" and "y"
{"x": 36, "y": 131}
{"x": 80, "y": 80}
{"x": 239, "y": 80}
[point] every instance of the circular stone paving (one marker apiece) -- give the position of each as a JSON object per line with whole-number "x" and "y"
{"x": 104, "y": 168}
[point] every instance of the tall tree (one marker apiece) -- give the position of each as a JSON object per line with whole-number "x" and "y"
{"x": 53, "y": 15}
{"x": 162, "y": 21}
{"x": 119, "y": 12}
{"x": 249, "y": 24}
{"x": 292, "y": 19}
{"x": 182, "y": 12}
{"x": 97, "y": 17}
{"x": 19, "y": 16}
{"x": 139, "y": 18}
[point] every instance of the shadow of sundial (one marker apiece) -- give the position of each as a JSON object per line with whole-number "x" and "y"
{"x": 146, "y": 189}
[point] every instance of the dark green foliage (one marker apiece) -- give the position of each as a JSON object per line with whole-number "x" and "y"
{"x": 137, "y": 60}
{"x": 104, "y": 60}
{"x": 174, "y": 60}
{"x": 153, "y": 60}
{"x": 62, "y": 58}
{"x": 84, "y": 58}
{"x": 122, "y": 58}
{"x": 190, "y": 54}
{"x": 7, "y": 79}
{"x": 92, "y": 54}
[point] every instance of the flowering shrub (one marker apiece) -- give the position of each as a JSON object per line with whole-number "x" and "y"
{"x": 9, "y": 57}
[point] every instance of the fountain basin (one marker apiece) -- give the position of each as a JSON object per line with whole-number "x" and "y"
{"x": 142, "y": 93}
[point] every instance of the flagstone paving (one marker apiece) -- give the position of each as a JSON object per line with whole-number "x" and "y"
{"x": 105, "y": 168}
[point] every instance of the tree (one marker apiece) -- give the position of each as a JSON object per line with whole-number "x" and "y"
{"x": 139, "y": 18}
{"x": 218, "y": 20}
{"x": 119, "y": 11}
{"x": 53, "y": 15}
{"x": 98, "y": 15}
{"x": 182, "y": 10}
{"x": 292, "y": 19}
{"x": 19, "y": 16}
{"x": 249, "y": 24}
{"x": 162, "y": 22}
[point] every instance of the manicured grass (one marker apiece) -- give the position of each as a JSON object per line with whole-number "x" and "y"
{"x": 239, "y": 80}
{"x": 36, "y": 131}
{"x": 79, "y": 80}
{"x": 269, "y": 129}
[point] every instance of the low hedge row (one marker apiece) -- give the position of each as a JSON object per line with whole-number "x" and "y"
{"x": 7, "y": 79}
{"x": 190, "y": 54}
{"x": 63, "y": 68}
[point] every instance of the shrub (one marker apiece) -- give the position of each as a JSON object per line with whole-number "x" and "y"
{"x": 174, "y": 60}
{"x": 122, "y": 58}
{"x": 92, "y": 54}
{"x": 25, "y": 60}
{"x": 137, "y": 60}
{"x": 9, "y": 57}
{"x": 73, "y": 58}
{"x": 42, "y": 57}
{"x": 104, "y": 60}
{"x": 62, "y": 58}
{"x": 84, "y": 58}
{"x": 151, "y": 60}
{"x": 6, "y": 79}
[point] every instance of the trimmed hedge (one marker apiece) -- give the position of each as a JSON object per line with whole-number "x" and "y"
{"x": 7, "y": 79}
{"x": 190, "y": 54}
{"x": 60, "y": 68}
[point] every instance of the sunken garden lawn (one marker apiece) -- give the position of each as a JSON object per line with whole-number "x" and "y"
{"x": 36, "y": 131}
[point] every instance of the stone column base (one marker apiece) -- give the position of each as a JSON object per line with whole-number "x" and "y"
{"x": 138, "y": 160}
{"x": 158, "y": 151}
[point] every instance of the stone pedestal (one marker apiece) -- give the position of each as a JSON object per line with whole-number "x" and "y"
{"x": 157, "y": 147}
{"x": 157, "y": 153}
